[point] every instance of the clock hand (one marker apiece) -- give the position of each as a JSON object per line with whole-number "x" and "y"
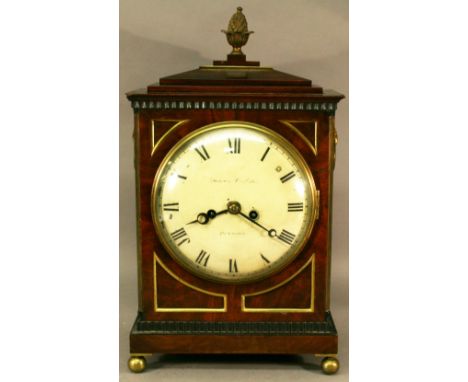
{"x": 271, "y": 232}
{"x": 203, "y": 218}
{"x": 235, "y": 209}
{"x": 212, "y": 213}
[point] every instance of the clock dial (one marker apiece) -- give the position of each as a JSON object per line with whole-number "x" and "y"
{"x": 233, "y": 202}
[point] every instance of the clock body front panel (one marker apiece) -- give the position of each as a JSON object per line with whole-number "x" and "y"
{"x": 296, "y": 289}
{"x": 233, "y": 202}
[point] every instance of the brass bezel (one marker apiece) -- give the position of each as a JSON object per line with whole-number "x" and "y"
{"x": 275, "y": 137}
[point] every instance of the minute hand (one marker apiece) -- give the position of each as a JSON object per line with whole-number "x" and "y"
{"x": 271, "y": 232}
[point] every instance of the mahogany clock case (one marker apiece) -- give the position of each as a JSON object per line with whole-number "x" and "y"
{"x": 298, "y": 295}
{"x": 225, "y": 108}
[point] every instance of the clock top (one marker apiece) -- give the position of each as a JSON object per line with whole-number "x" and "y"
{"x": 235, "y": 75}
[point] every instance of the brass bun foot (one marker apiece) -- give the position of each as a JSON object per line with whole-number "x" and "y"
{"x": 330, "y": 365}
{"x": 137, "y": 364}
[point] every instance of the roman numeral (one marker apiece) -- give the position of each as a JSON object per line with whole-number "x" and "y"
{"x": 294, "y": 207}
{"x": 171, "y": 207}
{"x": 287, "y": 237}
{"x": 233, "y": 266}
{"x": 288, "y": 176}
{"x": 236, "y": 148}
{"x": 180, "y": 234}
{"x": 265, "y": 259}
{"x": 265, "y": 154}
{"x": 202, "y": 256}
{"x": 203, "y": 154}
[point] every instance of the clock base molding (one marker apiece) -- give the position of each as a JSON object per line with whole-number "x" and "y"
{"x": 201, "y": 337}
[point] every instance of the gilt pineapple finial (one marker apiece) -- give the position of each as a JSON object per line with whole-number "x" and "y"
{"x": 238, "y": 32}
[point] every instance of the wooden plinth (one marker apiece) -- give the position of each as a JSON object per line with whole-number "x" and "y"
{"x": 234, "y": 338}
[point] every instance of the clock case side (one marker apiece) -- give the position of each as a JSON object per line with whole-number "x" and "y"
{"x": 136, "y": 166}
{"x": 200, "y": 104}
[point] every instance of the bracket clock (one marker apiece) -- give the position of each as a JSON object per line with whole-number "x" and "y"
{"x": 234, "y": 177}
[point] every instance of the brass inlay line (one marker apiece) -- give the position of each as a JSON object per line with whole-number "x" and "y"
{"x": 157, "y": 260}
{"x": 313, "y": 146}
{"x": 154, "y": 144}
{"x": 235, "y": 67}
{"x": 309, "y": 309}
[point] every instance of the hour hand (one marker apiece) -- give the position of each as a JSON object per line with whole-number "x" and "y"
{"x": 204, "y": 218}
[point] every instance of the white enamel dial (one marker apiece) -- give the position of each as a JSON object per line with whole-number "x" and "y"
{"x": 233, "y": 202}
